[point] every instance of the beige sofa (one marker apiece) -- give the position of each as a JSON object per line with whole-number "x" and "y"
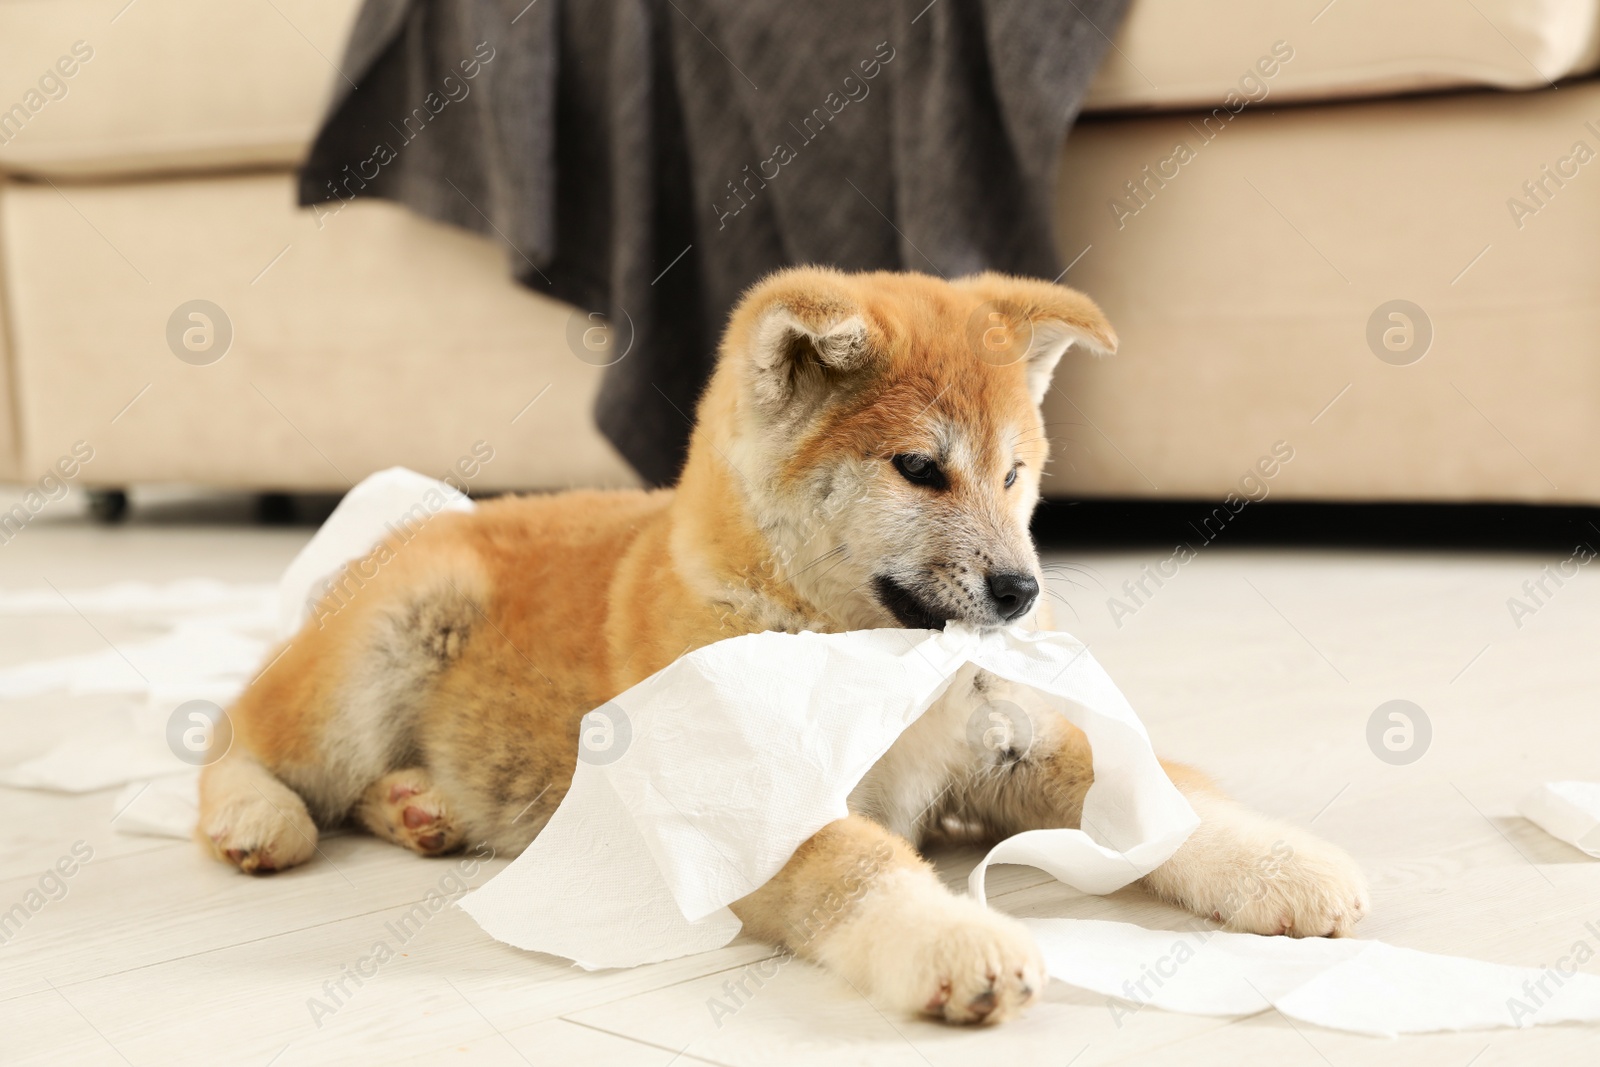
{"x": 1245, "y": 272}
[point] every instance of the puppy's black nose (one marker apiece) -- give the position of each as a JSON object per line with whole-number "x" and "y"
{"x": 1013, "y": 593}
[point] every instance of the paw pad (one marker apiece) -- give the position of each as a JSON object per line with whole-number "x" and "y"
{"x": 250, "y": 861}
{"x": 982, "y": 1005}
{"x": 399, "y": 791}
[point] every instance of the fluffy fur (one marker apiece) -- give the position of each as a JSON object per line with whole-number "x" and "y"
{"x": 867, "y": 454}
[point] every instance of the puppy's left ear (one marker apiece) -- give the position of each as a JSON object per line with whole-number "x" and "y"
{"x": 1052, "y": 318}
{"x": 802, "y": 335}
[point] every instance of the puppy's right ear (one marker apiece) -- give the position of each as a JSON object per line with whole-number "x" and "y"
{"x": 803, "y": 335}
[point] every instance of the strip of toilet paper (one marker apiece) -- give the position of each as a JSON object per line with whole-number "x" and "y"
{"x": 694, "y": 787}
{"x": 719, "y": 766}
{"x": 168, "y": 806}
{"x": 1365, "y": 987}
{"x": 209, "y": 638}
{"x": 1567, "y": 810}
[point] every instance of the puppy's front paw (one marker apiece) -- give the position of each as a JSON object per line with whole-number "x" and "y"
{"x": 1309, "y": 888}
{"x": 1258, "y": 876}
{"x": 982, "y": 967}
{"x": 914, "y": 947}
{"x": 259, "y": 837}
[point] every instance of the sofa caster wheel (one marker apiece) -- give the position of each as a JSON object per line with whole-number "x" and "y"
{"x": 276, "y": 509}
{"x": 108, "y": 505}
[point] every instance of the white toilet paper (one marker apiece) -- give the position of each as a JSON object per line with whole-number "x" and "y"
{"x": 1366, "y": 987}
{"x": 1567, "y": 810}
{"x": 88, "y": 760}
{"x": 212, "y": 639}
{"x": 162, "y": 807}
{"x": 714, "y": 770}
{"x": 735, "y": 754}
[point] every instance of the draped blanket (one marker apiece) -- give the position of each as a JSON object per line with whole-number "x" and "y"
{"x": 646, "y": 160}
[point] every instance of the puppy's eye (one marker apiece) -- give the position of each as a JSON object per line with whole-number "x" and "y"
{"x": 919, "y": 470}
{"x": 1011, "y": 475}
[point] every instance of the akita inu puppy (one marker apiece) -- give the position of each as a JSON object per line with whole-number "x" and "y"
{"x": 867, "y": 454}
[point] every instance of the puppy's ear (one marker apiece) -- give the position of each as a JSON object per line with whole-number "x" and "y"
{"x": 1044, "y": 319}
{"x": 803, "y": 335}
{"x": 1051, "y": 339}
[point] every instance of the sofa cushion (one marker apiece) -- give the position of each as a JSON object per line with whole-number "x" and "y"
{"x": 1412, "y": 314}
{"x": 172, "y": 85}
{"x": 97, "y": 87}
{"x": 1179, "y": 53}
{"x": 344, "y": 344}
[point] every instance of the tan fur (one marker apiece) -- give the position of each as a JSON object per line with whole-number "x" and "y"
{"x": 439, "y": 703}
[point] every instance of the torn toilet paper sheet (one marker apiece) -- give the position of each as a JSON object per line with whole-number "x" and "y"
{"x": 1365, "y": 987}
{"x": 720, "y": 765}
{"x": 251, "y": 604}
{"x": 1567, "y": 810}
{"x": 192, "y": 654}
{"x": 162, "y": 807}
{"x": 210, "y": 637}
{"x": 88, "y": 760}
{"x": 706, "y": 777}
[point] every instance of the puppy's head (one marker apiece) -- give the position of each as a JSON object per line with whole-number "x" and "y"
{"x": 884, "y": 432}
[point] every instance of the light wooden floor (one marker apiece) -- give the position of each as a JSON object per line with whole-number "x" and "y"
{"x": 1260, "y": 666}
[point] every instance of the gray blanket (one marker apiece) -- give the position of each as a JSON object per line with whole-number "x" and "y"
{"x": 648, "y": 160}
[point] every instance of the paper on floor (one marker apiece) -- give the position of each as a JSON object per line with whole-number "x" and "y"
{"x": 250, "y": 604}
{"x": 192, "y": 654}
{"x": 731, "y": 757}
{"x": 162, "y": 807}
{"x": 211, "y": 637}
{"x": 1567, "y": 810}
{"x": 88, "y": 760}
{"x": 1366, "y": 987}
{"x": 200, "y": 658}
